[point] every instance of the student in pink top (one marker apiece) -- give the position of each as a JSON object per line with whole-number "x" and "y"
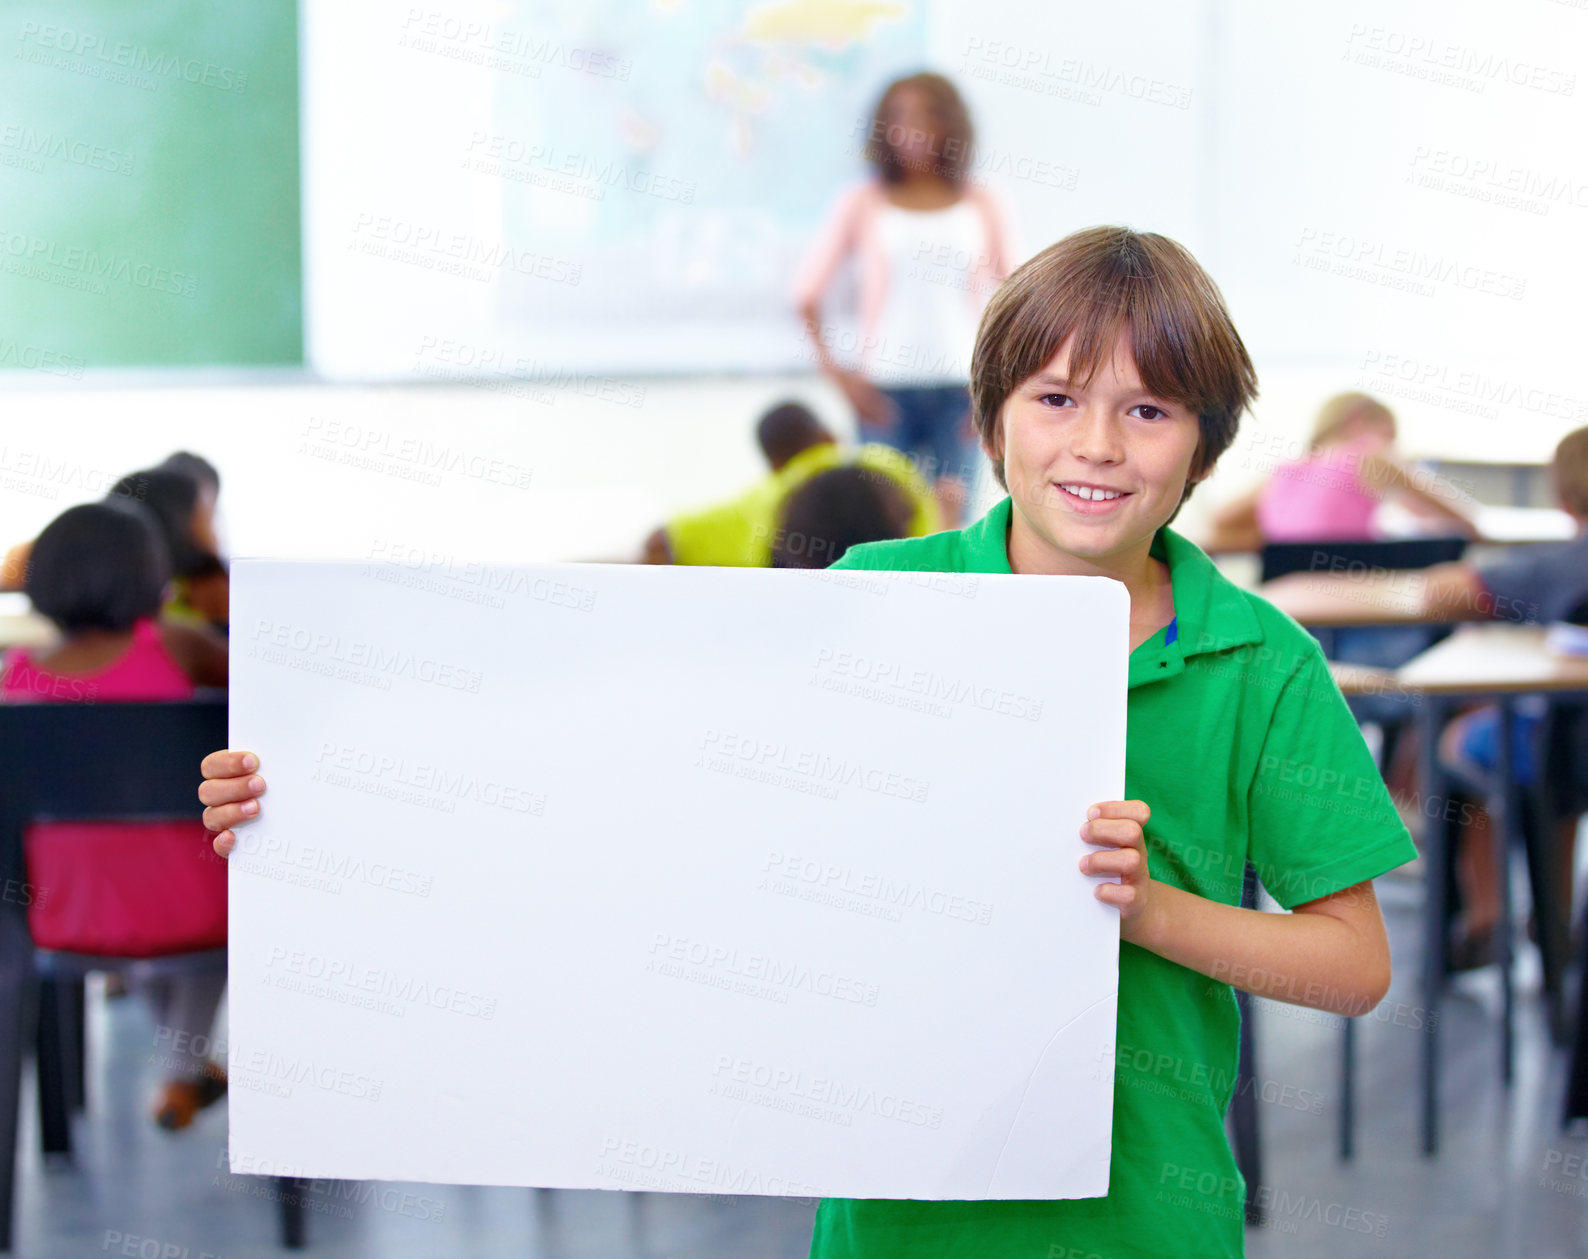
{"x": 99, "y": 572}
{"x": 1333, "y": 492}
{"x": 929, "y": 247}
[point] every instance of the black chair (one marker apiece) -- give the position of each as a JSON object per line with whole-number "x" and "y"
{"x": 1282, "y": 558}
{"x": 84, "y": 761}
{"x": 1559, "y": 792}
{"x": 1243, "y": 1109}
{"x": 1577, "y": 1068}
{"x": 1564, "y": 756}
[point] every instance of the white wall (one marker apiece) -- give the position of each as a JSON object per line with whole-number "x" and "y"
{"x": 600, "y": 475}
{"x": 318, "y": 470}
{"x": 1274, "y": 140}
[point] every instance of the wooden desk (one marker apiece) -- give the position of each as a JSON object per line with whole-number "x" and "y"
{"x": 1325, "y": 600}
{"x": 1523, "y": 480}
{"x": 21, "y": 626}
{"x": 1363, "y": 679}
{"x": 1499, "y": 663}
{"x": 1481, "y": 660}
{"x": 1508, "y": 526}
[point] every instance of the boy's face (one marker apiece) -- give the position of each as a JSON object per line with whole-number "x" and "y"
{"x": 1094, "y": 471}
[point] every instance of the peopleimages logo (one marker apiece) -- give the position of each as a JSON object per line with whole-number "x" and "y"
{"x": 342, "y": 980}
{"x": 356, "y": 658}
{"x": 24, "y": 253}
{"x": 795, "y": 874}
{"x": 674, "y": 956}
{"x": 74, "y": 149}
{"x": 87, "y": 46}
{"x": 338, "y": 763}
{"x": 934, "y": 689}
{"x": 732, "y": 1073}
{"x": 802, "y": 769}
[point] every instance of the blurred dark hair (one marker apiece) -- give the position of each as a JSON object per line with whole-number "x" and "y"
{"x": 195, "y": 466}
{"x": 836, "y": 510}
{"x": 171, "y": 497}
{"x": 789, "y": 429}
{"x": 99, "y": 566}
{"x": 949, "y": 157}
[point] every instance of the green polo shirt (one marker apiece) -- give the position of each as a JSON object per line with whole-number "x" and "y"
{"x": 1245, "y": 750}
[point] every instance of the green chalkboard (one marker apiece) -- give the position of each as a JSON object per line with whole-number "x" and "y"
{"x": 149, "y": 184}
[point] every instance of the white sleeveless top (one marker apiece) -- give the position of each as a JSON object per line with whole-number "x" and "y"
{"x": 930, "y": 306}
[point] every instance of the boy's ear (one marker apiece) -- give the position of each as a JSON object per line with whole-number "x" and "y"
{"x": 993, "y": 445}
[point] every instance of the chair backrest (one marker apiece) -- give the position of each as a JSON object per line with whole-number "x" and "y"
{"x": 1279, "y": 558}
{"x": 1565, "y": 745}
{"x": 101, "y": 761}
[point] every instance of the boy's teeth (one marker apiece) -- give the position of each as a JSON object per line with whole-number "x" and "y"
{"x": 1087, "y": 492}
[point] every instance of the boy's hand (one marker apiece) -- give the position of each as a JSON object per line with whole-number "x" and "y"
{"x": 1115, "y": 826}
{"x": 229, "y": 790}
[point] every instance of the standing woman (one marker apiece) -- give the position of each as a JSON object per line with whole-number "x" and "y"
{"x": 930, "y": 248}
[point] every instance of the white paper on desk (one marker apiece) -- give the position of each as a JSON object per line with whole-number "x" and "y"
{"x": 686, "y": 879}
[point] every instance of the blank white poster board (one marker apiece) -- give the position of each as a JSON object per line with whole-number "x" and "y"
{"x": 696, "y": 880}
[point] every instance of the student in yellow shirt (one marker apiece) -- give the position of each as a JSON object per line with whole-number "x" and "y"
{"x": 797, "y": 446}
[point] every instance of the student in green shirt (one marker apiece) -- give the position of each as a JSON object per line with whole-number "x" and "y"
{"x": 1107, "y": 379}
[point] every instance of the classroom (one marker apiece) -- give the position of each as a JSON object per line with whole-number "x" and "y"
{"x": 434, "y": 822}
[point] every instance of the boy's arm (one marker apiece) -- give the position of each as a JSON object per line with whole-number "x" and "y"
{"x": 1331, "y": 953}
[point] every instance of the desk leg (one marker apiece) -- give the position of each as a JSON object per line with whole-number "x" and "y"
{"x": 1549, "y": 894}
{"x": 1435, "y": 847}
{"x": 1502, "y": 821}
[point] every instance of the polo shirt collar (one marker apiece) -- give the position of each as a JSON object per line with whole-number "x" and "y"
{"x": 987, "y": 541}
{"x": 1210, "y": 611}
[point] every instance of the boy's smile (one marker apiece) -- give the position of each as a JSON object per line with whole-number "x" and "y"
{"x": 1094, "y": 469}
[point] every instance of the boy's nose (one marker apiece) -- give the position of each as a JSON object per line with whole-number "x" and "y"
{"x": 1097, "y": 439}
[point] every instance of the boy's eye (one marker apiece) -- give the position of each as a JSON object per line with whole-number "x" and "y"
{"x": 1055, "y": 399}
{"x": 1151, "y": 412}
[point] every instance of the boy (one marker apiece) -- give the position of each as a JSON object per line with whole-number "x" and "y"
{"x": 1536, "y": 584}
{"x": 1107, "y": 379}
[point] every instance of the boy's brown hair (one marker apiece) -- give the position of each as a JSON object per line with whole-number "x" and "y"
{"x": 1093, "y": 286}
{"x": 1569, "y": 468}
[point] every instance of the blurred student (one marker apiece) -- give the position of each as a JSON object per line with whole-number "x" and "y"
{"x": 182, "y": 492}
{"x": 181, "y": 495}
{"x": 1540, "y": 584}
{"x": 1333, "y": 493}
{"x": 836, "y": 510}
{"x": 929, "y": 246}
{"x": 99, "y": 572}
{"x": 204, "y": 591}
{"x": 797, "y": 446}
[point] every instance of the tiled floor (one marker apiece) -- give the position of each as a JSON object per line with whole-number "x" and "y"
{"x": 1496, "y": 1191}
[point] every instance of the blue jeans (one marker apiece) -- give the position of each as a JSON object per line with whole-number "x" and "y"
{"x": 1479, "y": 748}
{"x": 929, "y": 426}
